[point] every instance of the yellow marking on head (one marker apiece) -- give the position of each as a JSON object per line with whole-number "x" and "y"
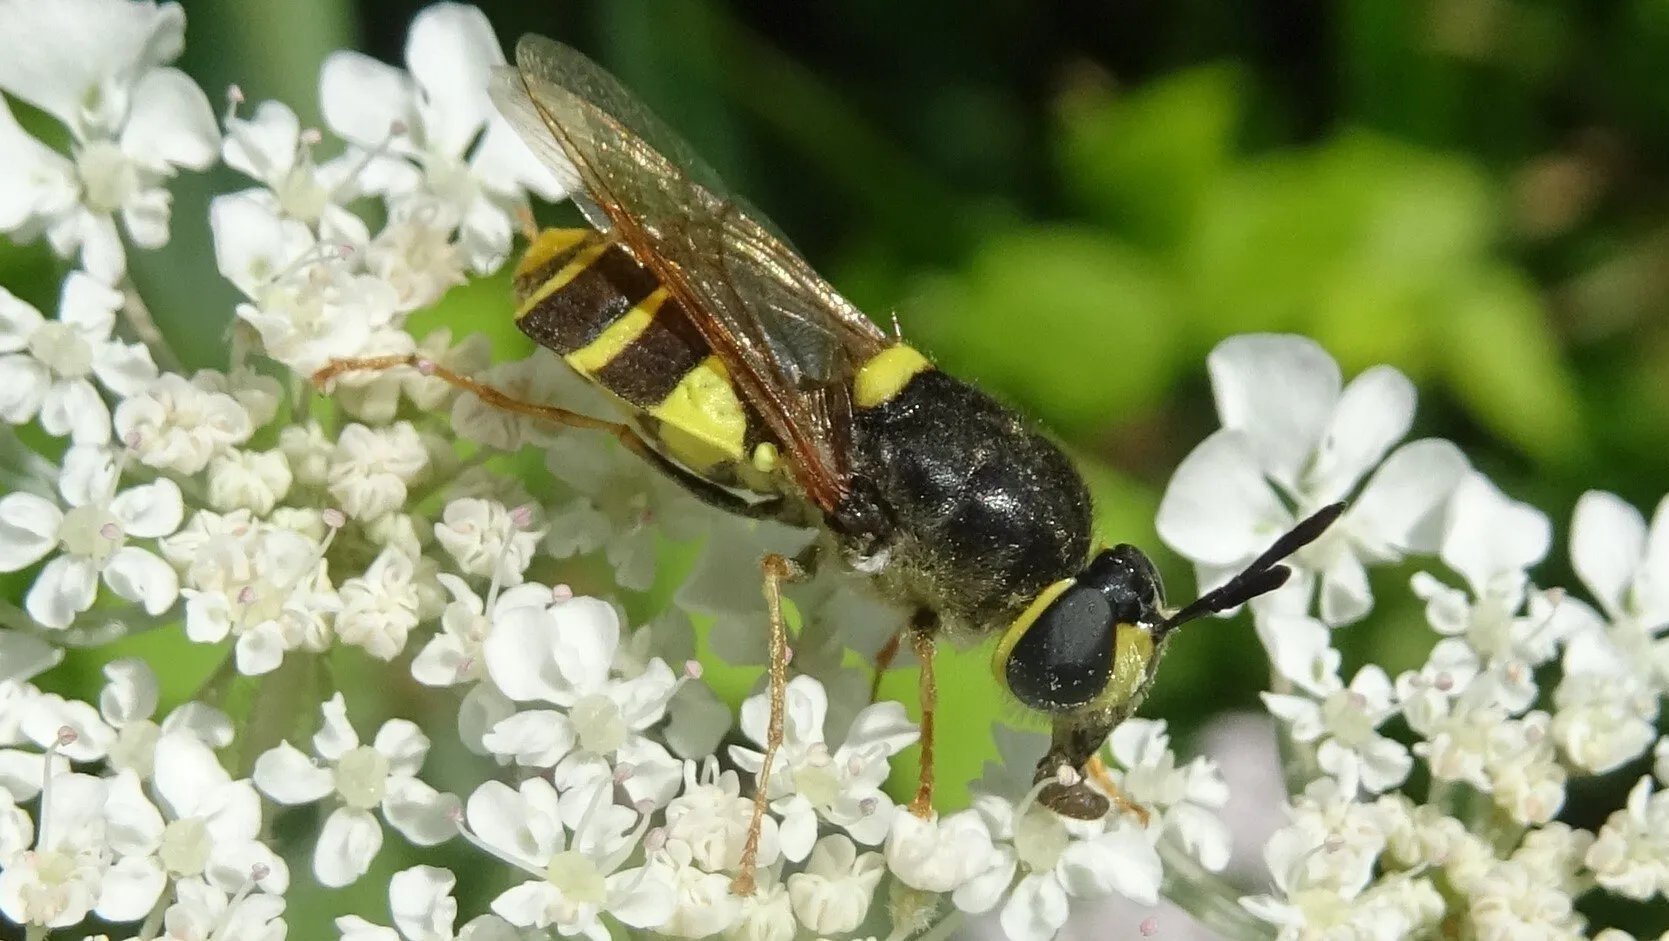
{"x": 1017, "y": 630}
{"x": 614, "y": 339}
{"x": 704, "y": 416}
{"x": 1132, "y": 651}
{"x": 886, "y": 374}
{"x": 765, "y": 457}
{"x": 556, "y": 282}
{"x": 547, "y": 245}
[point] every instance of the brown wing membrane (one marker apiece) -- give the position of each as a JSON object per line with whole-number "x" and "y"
{"x": 788, "y": 338}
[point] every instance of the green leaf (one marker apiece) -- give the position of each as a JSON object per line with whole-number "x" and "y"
{"x": 1144, "y": 162}
{"x": 1505, "y": 365}
{"x": 1074, "y": 325}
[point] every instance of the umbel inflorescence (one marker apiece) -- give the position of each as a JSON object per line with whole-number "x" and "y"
{"x": 611, "y": 789}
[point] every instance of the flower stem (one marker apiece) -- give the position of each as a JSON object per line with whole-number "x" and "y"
{"x": 144, "y": 327}
{"x": 1212, "y": 900}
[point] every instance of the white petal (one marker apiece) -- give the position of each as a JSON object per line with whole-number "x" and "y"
{"x": 420, "y": 899}
{"x": 252, "y": 243}
{"x": 59, "y": 55}
{"x": 422, "y": 814}
{"x": 336, "y": 735}
{"x": 23, "y": 656}
{"x": 132, "y": 824}
{"x": 171, "y": 123}
{"x": 1279, "y": 390}
{"x": 263, "y": 146}
{"x": 1385, "y": 764}
{"x": 130, "y": 888}
{"x": 89, "y": 476}
{"x": 527, "y": 905}
{"x": 362, "y": 99}
{"x": 451, "y": 51}
{"x": 1345, "y": 594}
{"x": 146, "y": 215}
{"x": 347, "y": 844}
{"x": 537, "y": 738}
{"x": 1122, "y": 861}
{"x": 124, "y": 368}
{"x": 65, "y": 588}
{"x": 1036, "y": 910}
{"x": 881, "y": 728}
{"x": 18, "y": 322}
{"x": 1401, "y": 508}
{"x": 186, "y": 774}
{"x": 1374, "y": 413}
{"x": 288, "y": 776}
{"x": 232, "y": 864}
{"x": 403, "y": 744}
{"x": 149, "y": 510}
{"x": 640, "y": 898}
{"x": 1607, "y": 539}
{"x": 28, "y": 530}
{"x": 23, "y": 384}
{"x": 74, "y": 407}
{"x": 1218, "y": 508}
{"x": 260, "y": 651}
{"x": 137, "y": 575}
{"x": 1487, "y": 534}
{"x": 1202, "y": 833}
{"x": 130, "y": 692}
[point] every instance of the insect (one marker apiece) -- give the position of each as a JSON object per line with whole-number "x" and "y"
{"x": 753, "y": 383}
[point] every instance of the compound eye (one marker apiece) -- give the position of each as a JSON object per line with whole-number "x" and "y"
{"x": 1064, "y": 658}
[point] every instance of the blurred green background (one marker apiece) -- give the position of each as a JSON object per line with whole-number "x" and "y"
{"x": 1071, "y": 202}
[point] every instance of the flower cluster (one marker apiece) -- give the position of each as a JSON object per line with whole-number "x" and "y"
{"x": 594, "y": 769}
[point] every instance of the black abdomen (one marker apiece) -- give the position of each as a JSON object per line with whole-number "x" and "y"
{"x": 987, "y": 511}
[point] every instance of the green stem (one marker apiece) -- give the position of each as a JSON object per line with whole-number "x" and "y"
{"x": 153, "y": 921}
{"x": 144, "y": 327}
{"x": 1212, "y": 900}
{"x": 36, "y": 933}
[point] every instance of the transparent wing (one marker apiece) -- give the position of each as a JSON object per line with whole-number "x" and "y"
{"x": 789, "y": 339}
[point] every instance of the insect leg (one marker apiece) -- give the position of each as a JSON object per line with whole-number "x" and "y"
{"x": 883, "y": 662}
{"x": 1097, "y": 772}
{"x": 923, "y": 627}
{"x": 777, "y": 570}
{"x": 707, "y": 492}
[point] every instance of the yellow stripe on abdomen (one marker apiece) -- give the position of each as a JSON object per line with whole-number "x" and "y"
{"x": 556, "y": 282}
{"x": 702, "y": 420}
{"x": 885, "y": 374}
{"x": 618, "y": 335}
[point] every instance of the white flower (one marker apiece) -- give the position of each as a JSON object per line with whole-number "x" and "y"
{"x": 832, "y": 894}
{"x": 98, "y": 67}
{"x": 577, "y": 876}
{"x": 306, "y": 299}
{"x": 272, "y": 148}
{"x": 711, "y": 819}
{"x": 561, "y": 655}
{"x": 415, "y": 256}
{"x": 47, "y": 367}
{"x": 178, "y": 425}
{"x": 1321, "y": 874}
{"x": 625, "y": 504}
{"x": 1626, "y": 567}
{"x": 92, "y": 535}
{"x": 380, "y": 607}
{"x": 361, "y": 777}
{"x": 454, "y": 655}
{"x": 1291, "y": 437}
{"x": 209, "y": 826}
{"x": 464, "y": 156}
{"x": 1342, "y": 722}
{"x": 948, "y": 854}
{"x": 811, "y": 782}
{"x": 767, "y": 915}
{"x": 1605, "y": 713}
{"x": 1631, "y": 855}
{"x": 487, "y": 539}
{"x": 420, "y": 899}
{"x": 371, "y": 468}
{"x": 702, "y": 902}
{"x": 58, "y": 882}
{"x": 252, "y": 480}
{"x": 1186, "y": 800}
{"x": 1060, "y": 859}
{"x": 1492, "y": 540}
{"x": 265, "y": 585}
{"x": 202, "y": 912}
{"x": 1512, "y": 900}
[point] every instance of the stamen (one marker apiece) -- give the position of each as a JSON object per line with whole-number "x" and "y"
{"x": 341, "y": 192}
{"x": 1026, "y": 802}
{"x": 519, "y": 518}
{"x": 561, "y": 593}
{"x": 236, "y": 900}
{"x": 1149, "y": 926}
{"x": 608, "y": 864}
{"x": 234, "y": 98}
{"x": 654, "y": 840}
{"x": 623, "y": 772}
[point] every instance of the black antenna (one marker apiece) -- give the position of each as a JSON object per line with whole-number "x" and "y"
{"x": 1264, "y": 575}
